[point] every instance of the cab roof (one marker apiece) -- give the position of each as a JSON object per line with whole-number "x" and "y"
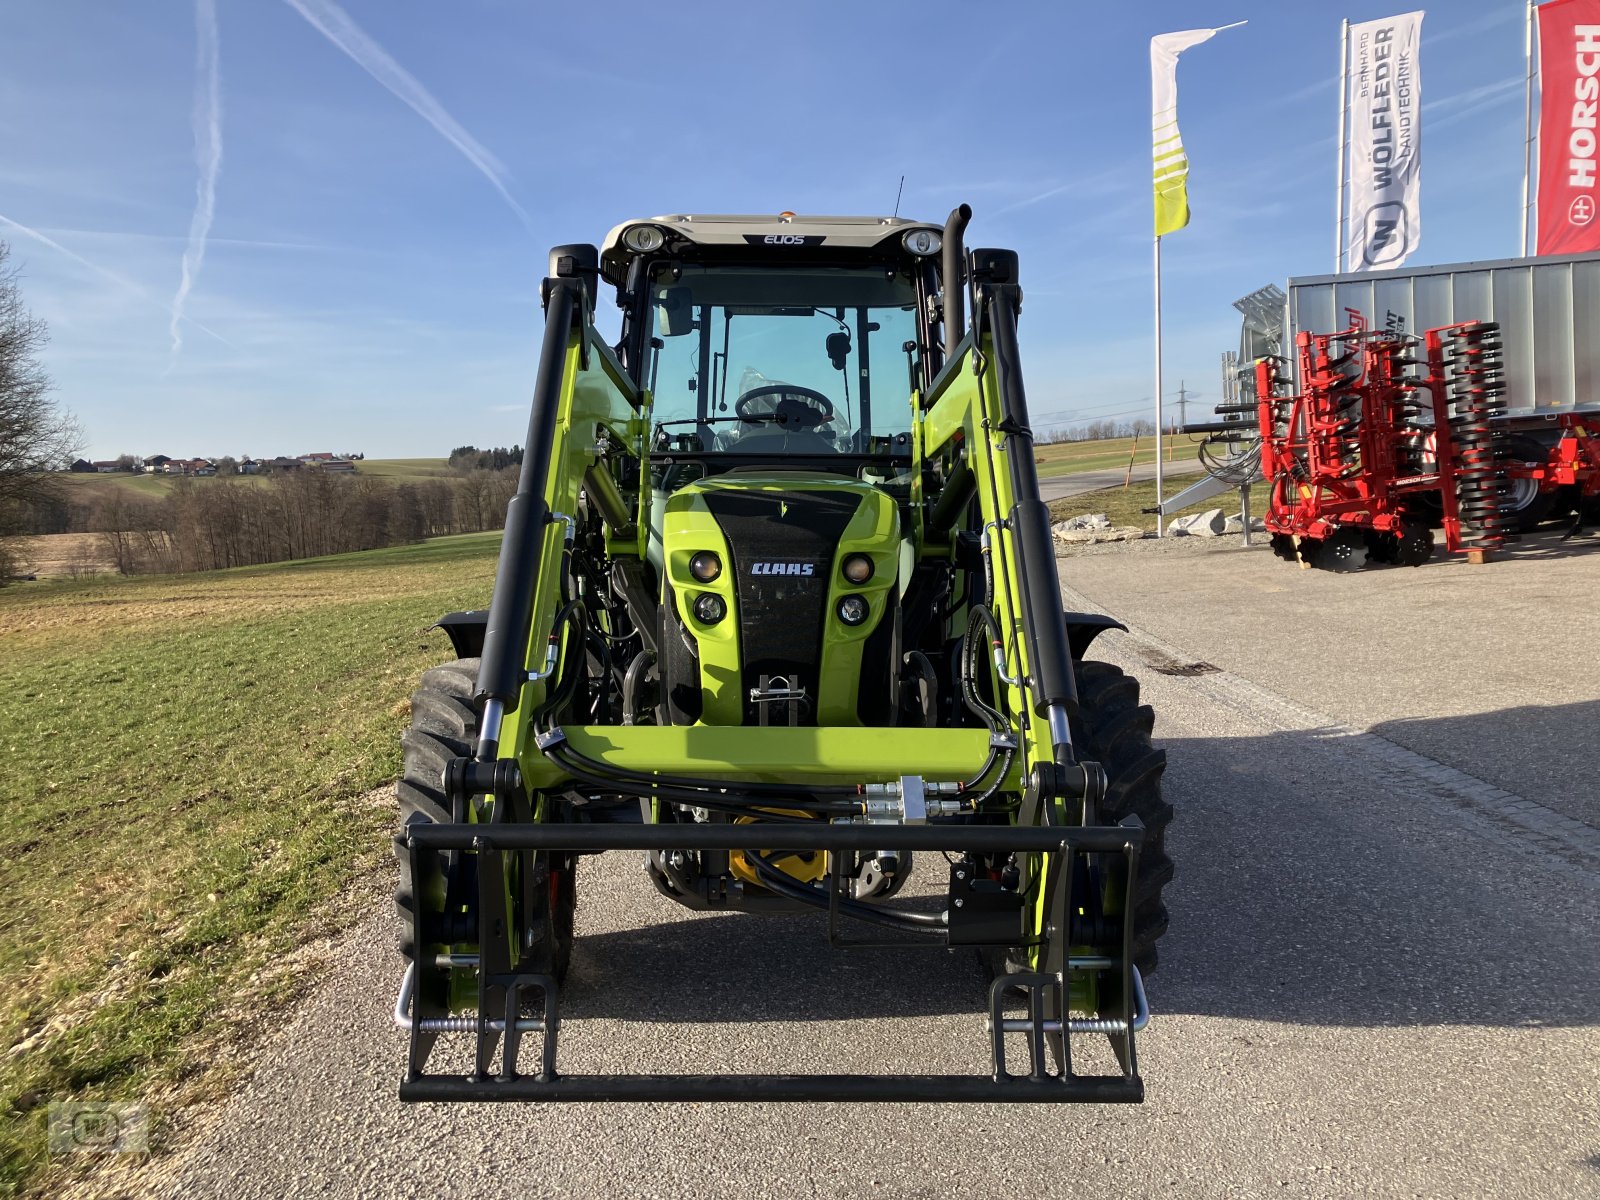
{"x": 754, "y": 229}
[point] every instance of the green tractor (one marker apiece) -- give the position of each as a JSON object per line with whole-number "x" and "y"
{"x": 777, "y": 608}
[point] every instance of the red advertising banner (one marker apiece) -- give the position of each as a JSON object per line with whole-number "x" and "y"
{"x": 1569, "y": 127}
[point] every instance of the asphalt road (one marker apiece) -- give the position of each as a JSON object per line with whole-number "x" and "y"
{"x": 1493, "y": 668}
{"x": 1382, "y": 978}
{"x": 1059, "y": 487}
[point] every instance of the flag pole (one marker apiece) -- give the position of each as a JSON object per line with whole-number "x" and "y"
{"x": 1158, "y": 386}
{"x": 1343, "y": 143}
{"x": 1527, "y": 129}
{"x": 1171, "y": 169}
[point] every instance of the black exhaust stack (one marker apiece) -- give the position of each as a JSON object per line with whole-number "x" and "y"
{"x": 955, "y": 281}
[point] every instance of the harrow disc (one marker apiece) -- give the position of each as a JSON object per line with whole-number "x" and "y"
{"x": 1345, "y": 551}
{"x": 1382, "y": 547}
{"x": 1414, "y": 544}
{"x": 1283, "y": 546}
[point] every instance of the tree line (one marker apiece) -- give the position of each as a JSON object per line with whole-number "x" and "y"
{"x": 219, "y": 523}
{"x": 1102, "y": 430}
{"x": 470, "y": 458}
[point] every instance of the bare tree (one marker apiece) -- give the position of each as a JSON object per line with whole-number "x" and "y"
{"x": 36, "y": 438}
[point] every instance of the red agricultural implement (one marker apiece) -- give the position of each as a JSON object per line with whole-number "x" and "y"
{"x": 1390, "y": 435}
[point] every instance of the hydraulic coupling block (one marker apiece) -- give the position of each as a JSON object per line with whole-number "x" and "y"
{"x": 911, "y": 801}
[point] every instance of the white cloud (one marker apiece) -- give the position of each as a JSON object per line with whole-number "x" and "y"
{"x": 121, "y": 281}
{"x": 207, "y": 152}
{"x": 335, "y": 24}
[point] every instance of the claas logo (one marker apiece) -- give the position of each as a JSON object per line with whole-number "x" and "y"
{"x": 783, "y": 568}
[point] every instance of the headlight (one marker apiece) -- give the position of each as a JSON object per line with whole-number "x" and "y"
{"x": 705, "y": 566}
{"x": 709, "y": 608}
{"x": 642, "y": 239}
{"x": 857, "y": 568}
{"x": 921, "y": 242}
{"x": 852, "y": 610}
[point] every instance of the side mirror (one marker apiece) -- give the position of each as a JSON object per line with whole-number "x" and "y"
{"x": 674, "y": 312}
{"x": 838, "y": 345}
{"x": 578, "y": 260}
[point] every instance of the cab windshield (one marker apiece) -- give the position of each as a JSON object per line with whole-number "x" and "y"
{"x": 797, "y": 361}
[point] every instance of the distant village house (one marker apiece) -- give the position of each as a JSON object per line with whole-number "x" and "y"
{"x": 324, "y": 461}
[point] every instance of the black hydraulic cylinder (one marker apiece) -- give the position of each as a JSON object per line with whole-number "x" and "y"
{"x": 601, "y": 488}
{"x": 953, "y": 500}
{"x": 1048, "y": 648}
{"x": 505, "y": 637}
{"x": 1242, "y": 428}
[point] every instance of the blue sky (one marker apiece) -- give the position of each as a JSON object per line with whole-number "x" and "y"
{"x": 368, "y": 277}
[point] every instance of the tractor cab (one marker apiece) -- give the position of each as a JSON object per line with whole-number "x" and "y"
{"x": 762, "y": 338}
{"x": 783, "y": 359}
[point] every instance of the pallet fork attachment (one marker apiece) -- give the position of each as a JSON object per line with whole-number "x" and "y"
{"x": 506, "y": 994}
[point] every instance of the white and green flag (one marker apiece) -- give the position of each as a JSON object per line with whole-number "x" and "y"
{"x": 1171, "y": 164}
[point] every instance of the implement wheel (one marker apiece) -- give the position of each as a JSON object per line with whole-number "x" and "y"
{"x": 444, "y": 725}
{"x": 1525, "y": 504}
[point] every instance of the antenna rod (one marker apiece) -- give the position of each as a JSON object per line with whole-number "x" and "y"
{"x": 898, "y": 193}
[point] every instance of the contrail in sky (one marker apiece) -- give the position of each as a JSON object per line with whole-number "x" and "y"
{"x": 207, "y": 153}
{"x": 335, "y": 24}
{"x": 121, "y": 281}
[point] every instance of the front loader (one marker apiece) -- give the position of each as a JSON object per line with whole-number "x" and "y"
{"x": 777, "y": 611}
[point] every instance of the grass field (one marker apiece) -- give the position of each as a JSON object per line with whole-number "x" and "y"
{"x": 1067, "y": 458}
{"x": 405, "y": 469}
{"x": 188, "y": 762}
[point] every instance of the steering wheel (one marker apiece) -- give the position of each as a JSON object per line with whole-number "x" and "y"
{"x": 801, "y": 406}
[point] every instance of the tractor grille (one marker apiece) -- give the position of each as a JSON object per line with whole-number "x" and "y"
{"x": 773, "y": 537}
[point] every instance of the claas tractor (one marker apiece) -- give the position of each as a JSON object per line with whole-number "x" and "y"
{"x": 777, "y": 613}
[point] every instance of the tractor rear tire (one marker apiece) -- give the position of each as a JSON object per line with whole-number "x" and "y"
{"x": 1113, "y": 729}
{"x": 444, "y": 725}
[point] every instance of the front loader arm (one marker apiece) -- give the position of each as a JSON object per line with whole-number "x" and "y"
{"x": 976, "y": 421}
{"x": 586, "y": 416}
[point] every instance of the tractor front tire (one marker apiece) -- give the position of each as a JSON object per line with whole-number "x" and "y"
{"x": 444, "y": 725}
{"x": 1113, "y": 729}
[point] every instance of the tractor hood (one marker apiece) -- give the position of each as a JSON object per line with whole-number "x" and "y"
{"x": 771, "y": 547}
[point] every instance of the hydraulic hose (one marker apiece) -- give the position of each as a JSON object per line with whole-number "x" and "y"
{"x": 775, "y": 880}
{"x": 584, "y": 770}
{"x": 631, "y": 680}
{"x": 559, "y": 693}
